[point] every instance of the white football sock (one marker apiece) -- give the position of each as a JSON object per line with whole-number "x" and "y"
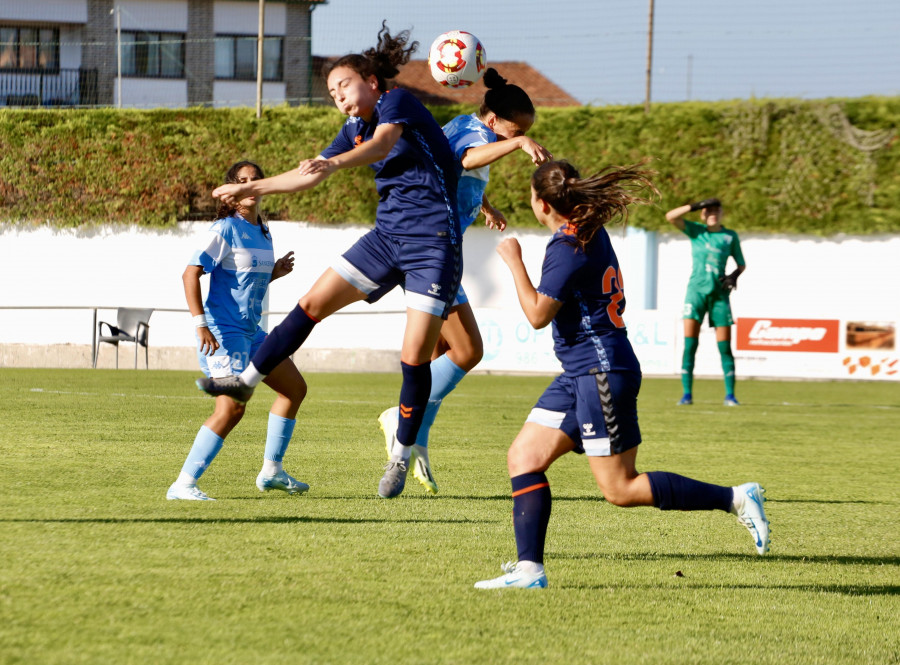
{"x": 271, "y": 468}
{"x": 251, "y": 376}
{"x": 530, "y": 567}
{"x": 185, "y": 479}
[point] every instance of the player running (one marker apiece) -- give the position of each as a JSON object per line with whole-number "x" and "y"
{"x": 477, "y": 140}
{"x": 708, "y": 289}
{"x": 591, "y": 407}
{"x": 416, "y": 240}
{"x": 237, "y": 254}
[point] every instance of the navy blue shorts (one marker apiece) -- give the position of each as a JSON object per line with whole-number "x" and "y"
{"x": 597, "y": 411}
{"x": 429, "y": 273}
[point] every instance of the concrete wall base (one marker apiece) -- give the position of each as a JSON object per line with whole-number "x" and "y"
{"x": 78, "y": 356}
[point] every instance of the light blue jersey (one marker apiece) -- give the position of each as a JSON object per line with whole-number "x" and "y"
{"x": 239, "y": 259}
{"x": 464, "y": 132}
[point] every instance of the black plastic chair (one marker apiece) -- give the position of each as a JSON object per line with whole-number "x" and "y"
{"x": 132, "y": 326}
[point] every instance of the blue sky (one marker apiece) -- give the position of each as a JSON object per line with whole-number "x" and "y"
{"x": 703, "y": 49}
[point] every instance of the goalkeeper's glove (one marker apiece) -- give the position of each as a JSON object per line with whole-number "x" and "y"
{"x": 706, "y": 203}
{"x": 728, "y": 282}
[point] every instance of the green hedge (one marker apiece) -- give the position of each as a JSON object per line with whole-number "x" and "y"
{"x": 781, "y": 166}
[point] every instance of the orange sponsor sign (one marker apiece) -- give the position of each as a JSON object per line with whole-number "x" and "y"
{"x": 809, "y": 335}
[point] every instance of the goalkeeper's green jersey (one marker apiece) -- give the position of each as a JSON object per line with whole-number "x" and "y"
{"x": 710, "y": 251}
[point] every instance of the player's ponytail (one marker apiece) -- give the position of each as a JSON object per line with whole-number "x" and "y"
{"x": 223, "y": 209}
{"x": 591, "y": 203}
{"x": 504, "y": 99}
{"x": 383, "y": 61}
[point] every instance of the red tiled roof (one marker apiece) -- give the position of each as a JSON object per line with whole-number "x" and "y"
{"x": 415, "y": 77}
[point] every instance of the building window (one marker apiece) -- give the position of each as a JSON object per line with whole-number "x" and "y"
{"x": 153, "y": 54}
{"x": 29, "y": 48}
{"x": 236, "y": 58}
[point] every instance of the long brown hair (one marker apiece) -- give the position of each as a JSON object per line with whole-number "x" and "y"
{"x": 383, "y": 60}
{"x": 224, "y": 210}
{"x": 593, "y": 202}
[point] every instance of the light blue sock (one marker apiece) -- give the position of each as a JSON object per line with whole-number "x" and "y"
{"x": 207, "y": 445}
{"x": 445, "y": 374}
{"x": 278, "y": 436}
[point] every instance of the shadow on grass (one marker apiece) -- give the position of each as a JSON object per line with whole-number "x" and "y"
{"x": 235, "y": 520}
{"x": 844, "y": 589}
{"x": 727, "y": 556}
{"x": 874, "y": 503}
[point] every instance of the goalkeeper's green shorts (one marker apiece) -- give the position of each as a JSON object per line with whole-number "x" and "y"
{"x": 697, "y": 305}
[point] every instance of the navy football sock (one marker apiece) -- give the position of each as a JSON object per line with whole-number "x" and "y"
{"x": 531, "y": 514}
{"x": 413, "y": 399}
{"x": 674, "y": 492}
{"x": 285, "y": 338}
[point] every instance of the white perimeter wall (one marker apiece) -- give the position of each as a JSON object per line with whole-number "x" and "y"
{"x": 791, "y": 277}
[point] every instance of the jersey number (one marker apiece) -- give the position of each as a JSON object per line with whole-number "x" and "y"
{"x": 612, "y": 286}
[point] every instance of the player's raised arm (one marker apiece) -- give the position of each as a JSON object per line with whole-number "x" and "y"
{"x": 489, "y": 153}
{"x": 675, "y": 215}
{"x": 538, "y": 308}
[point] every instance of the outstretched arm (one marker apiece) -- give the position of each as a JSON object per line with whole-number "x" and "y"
{"x": 538, "y": 309}
{"x": 285, "y": 183}
{"x": 489, "y": 153}
{"x": 374, "y": 150}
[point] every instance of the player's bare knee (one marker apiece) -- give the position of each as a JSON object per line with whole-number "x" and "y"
{"x": 616, "y": 494}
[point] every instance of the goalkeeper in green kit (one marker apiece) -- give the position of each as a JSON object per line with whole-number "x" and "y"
{"x": 708, "y": 288}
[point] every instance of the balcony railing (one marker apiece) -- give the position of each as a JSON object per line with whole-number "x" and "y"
{"x": 40, "y": 87}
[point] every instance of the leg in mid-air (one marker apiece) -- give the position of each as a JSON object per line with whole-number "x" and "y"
{"x": 330, "y": 293}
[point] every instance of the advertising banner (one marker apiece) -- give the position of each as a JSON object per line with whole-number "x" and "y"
{"x": 816, "y": 349}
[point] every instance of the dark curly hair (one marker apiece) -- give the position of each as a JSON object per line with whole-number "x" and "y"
{"x": 382, "y": 61}
{"x": 223, "y": 209}
{"x": 506, "y": 100}
{"x": 591, "y": 203}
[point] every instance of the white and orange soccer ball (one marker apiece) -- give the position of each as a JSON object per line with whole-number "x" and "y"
{"x": 456, "y": 59}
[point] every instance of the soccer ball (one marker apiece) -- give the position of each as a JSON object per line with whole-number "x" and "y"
{"x": 456, "y": 59}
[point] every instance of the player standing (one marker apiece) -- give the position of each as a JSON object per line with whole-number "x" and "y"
{"x": 416, "y": 240}
{"x": 591, "y": 407}
{"x": 478, "y": 140}
{"x": 708, "y": 289}
{"x": 238, "y": 256}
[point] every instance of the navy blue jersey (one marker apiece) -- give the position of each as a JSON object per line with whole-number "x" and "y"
{"x": 417, "y": 181}
{"x": 588, "y": 331}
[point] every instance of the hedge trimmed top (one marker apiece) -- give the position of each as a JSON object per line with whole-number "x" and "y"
{"x": 780, "y": 166}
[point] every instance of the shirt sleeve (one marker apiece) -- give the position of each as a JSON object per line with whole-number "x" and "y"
{"x": 399, "y": 107}
{"x": 215, "y": 248}
{"x": 469, "y": 139}
{"x": 342, "y": 143}
{"x": 561, "y": 261}
{"x": 736, "y": 250}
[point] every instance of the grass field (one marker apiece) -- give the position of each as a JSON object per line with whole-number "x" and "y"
{"x": 97, "y": 567}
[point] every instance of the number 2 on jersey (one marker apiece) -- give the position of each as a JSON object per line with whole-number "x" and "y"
{"x": 612, "y": 285}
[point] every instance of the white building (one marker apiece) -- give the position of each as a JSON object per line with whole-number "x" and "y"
{"x": 153, "y": 52}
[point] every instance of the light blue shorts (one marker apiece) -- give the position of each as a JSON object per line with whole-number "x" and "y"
{"x": 232, "y": 356}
